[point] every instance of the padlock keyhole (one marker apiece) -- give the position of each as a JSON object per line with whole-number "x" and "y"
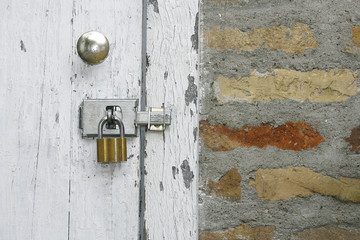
{"x": 115, "y": 110}
{"x": 110, "y": 126}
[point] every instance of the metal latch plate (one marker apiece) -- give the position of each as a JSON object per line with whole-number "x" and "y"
{"x": 156, "y": 119}
{"x": 93, "y": 110}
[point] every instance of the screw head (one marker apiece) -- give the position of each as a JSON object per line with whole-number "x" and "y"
{"x": 93, "y": 47}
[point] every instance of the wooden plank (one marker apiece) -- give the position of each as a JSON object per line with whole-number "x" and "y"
{"x": 104, "y": 198}
{"x": 34, "y": 104}
{"x": 171, "y": 162}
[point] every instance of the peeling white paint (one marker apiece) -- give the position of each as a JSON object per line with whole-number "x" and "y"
{"x": 104, "y": 202}
{"x": 172, "y": 213}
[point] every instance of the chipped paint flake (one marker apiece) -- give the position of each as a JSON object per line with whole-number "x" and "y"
{"x": 22, "y": 46}
{"x": 188, "y": 175}
{"x": 175, "y": 171}
{"x": 195, "y": 132}
{"x": 191, "y": 92}
{"x": 195, "y": 36}
{"x": 155, "y": 5}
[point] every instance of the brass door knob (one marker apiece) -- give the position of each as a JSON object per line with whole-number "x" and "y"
{"x": 93, "y": 47}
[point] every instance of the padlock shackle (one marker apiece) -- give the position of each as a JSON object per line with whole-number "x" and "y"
{"x": 116, "y": 120}
{"x": 121, "y": 126}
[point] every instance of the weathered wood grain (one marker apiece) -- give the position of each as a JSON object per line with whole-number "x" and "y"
{"x": 104, "y": 198}
{"x": 171, "y": 157}
{"x": 51, "y": 186}
{"x": 35, "y": 70}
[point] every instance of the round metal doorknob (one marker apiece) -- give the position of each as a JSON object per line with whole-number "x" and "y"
{"x": 93, "y": 47}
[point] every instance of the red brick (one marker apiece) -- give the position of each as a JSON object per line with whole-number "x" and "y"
{"x": 289, "y": 136}
{"x": 354, "y": 139}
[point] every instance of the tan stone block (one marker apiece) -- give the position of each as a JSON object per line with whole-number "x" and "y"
{"x": 228, "y": 186}
{"x": 283, "y": 184}
{"x": 219, "y": 1}
{"x": 243, "y": 231}
{"x": 337, "y": 85}
{"x": 352, "y": 190}
{"x": 327, "y": 233}
{"x": 294, "y": 41}
{"x": 353, "y": 46}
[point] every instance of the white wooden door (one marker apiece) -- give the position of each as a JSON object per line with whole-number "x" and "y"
{"x": 51, "y": 186}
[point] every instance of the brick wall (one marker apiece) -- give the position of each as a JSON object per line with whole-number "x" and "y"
{"x": 280, "y": 128}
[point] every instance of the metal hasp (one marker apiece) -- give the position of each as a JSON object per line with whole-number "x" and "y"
{"x": 92, "y": 110}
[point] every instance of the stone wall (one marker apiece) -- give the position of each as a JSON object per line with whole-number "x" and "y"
{"x": 280, "y": 119}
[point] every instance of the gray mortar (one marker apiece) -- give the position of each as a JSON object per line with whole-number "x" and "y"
{"x": 288, "y": 217}
{"x": 330, "y": 22}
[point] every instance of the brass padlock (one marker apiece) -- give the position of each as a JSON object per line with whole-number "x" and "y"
{"x": 111, "y": 149}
